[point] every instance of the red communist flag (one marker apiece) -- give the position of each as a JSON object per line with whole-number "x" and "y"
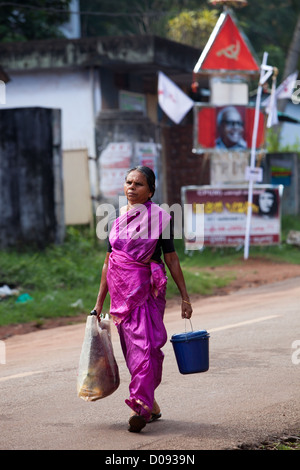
{"x": 226, "y": 49}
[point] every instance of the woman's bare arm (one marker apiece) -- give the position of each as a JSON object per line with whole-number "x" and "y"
{"x": 103, "y": 289}
{"x": 173, "y": 264}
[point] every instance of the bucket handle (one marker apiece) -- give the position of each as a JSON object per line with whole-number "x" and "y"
{"x": 190, "y": 324}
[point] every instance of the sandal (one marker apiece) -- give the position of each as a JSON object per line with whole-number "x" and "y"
{"x": 136, "y": 423}
{"x": 154, "y": 417}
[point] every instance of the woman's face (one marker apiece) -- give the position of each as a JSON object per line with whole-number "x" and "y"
{"x": 136, "y": 188}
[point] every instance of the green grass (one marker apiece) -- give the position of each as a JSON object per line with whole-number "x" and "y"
{"x": 63, "y": 274}
{"x": 198, "y": 282}
{"x": 55, "y": 278}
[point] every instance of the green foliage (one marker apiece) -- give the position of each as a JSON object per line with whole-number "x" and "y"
{"x": 120, "y": 17}
{"x": 37, "y": 20}
{"x": 192, "y": 27}
{"x": 55, "y": 278}
{"x": 268, "y": 25}
{"x": 273, "y": 143}
{"x": 198, "y": 282}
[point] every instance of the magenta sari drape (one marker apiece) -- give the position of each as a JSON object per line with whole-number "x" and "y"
{"x": 137, "y": 289}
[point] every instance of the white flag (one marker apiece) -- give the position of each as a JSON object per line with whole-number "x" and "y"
{"x": 172, "y": 100}
{"x": 285, "y": 89}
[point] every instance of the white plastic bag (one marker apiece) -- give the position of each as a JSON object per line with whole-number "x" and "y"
{"x": 98, "y": 373}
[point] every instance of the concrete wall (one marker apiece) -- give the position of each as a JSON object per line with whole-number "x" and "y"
{"x": 31, "y": 187}
{"x": 290, "y": 132}
{"x": 131, "y": 127}
{"x": 77, "y": 195}
{"x": 182, "y": 167}
{"x": 76, "y": 93}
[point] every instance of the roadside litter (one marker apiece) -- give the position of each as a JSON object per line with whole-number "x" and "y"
{"x": 23, "y": 298}
{"x": 6, "y": 291}
{"x": 77, "y": 304}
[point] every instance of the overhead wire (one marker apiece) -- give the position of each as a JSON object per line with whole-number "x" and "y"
{"x": 78, "y": 12}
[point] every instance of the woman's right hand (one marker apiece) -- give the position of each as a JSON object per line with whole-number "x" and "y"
{"x": 96, "y": 310}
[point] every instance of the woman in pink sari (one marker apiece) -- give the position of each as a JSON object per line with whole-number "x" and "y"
{"x": 134, "y": 275}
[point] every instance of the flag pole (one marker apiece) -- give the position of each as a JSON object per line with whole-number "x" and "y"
{"x": 263, "y": 78}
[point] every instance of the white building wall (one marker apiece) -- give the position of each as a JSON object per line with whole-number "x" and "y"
{"x": 76, "y": 93}
{"x": 290, "y": 132}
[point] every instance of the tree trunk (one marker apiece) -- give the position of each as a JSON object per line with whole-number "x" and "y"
{"x": 292, "y": 59}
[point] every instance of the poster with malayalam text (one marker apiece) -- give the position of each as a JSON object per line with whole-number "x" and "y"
{"x": 146, "y": 154}
{"x": 225, "y": 214}
{"x": 115, "y": 161}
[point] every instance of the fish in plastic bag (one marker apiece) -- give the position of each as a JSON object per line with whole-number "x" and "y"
{"x": 98, "y": 373}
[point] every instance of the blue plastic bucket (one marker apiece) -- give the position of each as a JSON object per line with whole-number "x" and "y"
{"x": 191, "y": 351}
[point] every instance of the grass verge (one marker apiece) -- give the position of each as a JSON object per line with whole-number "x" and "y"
{"x": 63, "y": 280}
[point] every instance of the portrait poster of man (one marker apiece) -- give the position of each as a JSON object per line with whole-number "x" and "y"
{"x": 226, "y": 128}
{"x": 230, "y": 127}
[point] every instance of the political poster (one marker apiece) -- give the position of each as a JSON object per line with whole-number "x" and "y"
{"x": 226, "y": 128}
{"x": 225, "y": 214}
{"x": 146, "y": 154}
{"x": 115, "y": 161}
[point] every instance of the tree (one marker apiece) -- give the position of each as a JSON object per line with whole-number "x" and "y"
{"x": 274, "y": 27}
{"x": 40, "y": 19}
{"x": 269, "y": 27}
{"x": 121, "y": 17}
{"x": 292, "y": 60}
{"x": 192, "y": 27}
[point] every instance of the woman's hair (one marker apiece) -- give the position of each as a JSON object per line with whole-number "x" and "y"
{"x": 150, "y": 176}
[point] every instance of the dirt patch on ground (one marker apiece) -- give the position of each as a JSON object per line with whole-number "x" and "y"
{"x": 246, "y": 274}
{"x": 255, "y": 272}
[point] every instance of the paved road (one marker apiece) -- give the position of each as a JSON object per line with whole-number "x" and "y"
{"x": 251, "y": 390}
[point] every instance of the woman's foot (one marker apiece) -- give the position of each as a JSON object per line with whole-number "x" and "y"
{"x": 136, "y": 423}
{"x": 155, "y": 413}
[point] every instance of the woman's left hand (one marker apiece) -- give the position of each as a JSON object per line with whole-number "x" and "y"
{"x": 186, "y": 309}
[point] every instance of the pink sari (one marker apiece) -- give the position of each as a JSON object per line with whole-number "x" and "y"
{"x": 137, "y": 289}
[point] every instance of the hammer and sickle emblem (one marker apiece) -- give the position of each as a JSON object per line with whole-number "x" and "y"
{"x": 231, "y": 52}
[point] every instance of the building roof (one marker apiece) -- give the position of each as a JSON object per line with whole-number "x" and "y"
{"x": 144, "y": 53}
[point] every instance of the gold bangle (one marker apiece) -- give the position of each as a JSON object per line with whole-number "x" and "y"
{"x": 186, "y": 302}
